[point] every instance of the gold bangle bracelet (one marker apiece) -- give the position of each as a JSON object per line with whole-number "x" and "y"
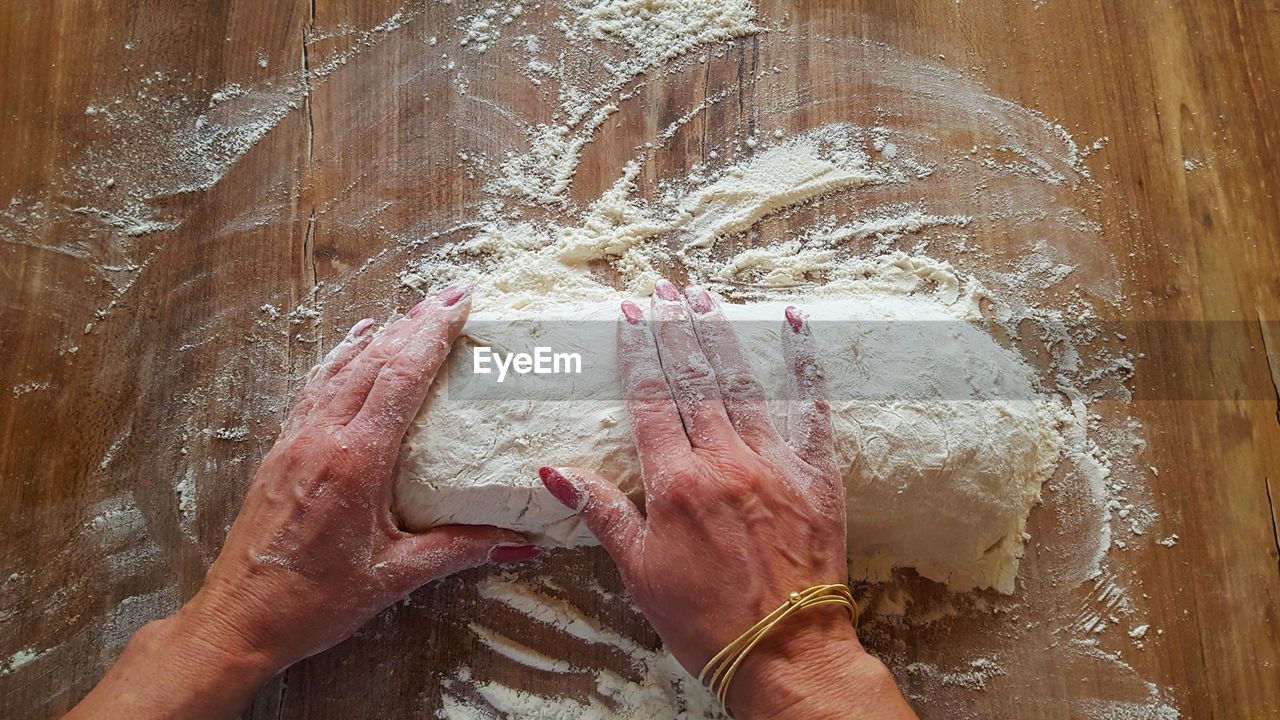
{"x": 718, "y": 672}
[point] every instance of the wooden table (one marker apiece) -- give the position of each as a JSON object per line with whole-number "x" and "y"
{"x": 141, "y": 376}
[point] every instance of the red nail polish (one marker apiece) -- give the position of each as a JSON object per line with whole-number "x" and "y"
{"x": 513, "y": 553}
{"x": 667, "y": 291}
{"x": 700, "y": 300}
{"x": 794, "y": 318}
{"x": 449, "y": 296}
{"x": 360, "y": 328}
{"x": 632, "y": 312}
{"x": 559, "y": 486}
{"x": 416, "y": 310}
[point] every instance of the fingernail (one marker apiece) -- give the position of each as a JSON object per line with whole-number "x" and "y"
{"x": 449, "y": 296}
{"x": 559, "y": 486}
{"x": 416, "y": 310}
{"x": 632, "y": 312}
{"x": 794, "y": 318}
{"x": 360, "y": 328}
{"x": 699, "y": 299}
{"x": 513, "y": 553}
{"x": 667, "y": 291}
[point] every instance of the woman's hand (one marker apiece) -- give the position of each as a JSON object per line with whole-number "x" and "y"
{"x": 315, "y": 551}
{"x": 737, "y": 515}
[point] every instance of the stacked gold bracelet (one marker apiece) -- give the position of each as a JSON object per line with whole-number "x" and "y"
{"x": 718, "y": 672}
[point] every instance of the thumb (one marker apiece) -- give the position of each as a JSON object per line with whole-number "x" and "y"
{"x": 607, "y": 511}
{"x": 417, "y": 559}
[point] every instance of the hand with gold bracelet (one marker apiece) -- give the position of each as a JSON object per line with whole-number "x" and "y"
{"x": 737, "y": 516}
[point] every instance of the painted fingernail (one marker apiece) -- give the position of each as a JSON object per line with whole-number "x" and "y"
{"x": 699, "y": 299}
{"x": 794, "y": 319}
{"x": 559, "y": 486}
{"x": 449, "y": 296}
{"x": 416, "y": 310}
{"x": 667, "y": 291}
{"x": 360, "y": 328}
{"x": 632, "y": 312}
{"x": 513, "y": 553}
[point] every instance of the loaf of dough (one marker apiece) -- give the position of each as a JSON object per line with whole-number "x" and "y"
{"x": 942, "y": 433}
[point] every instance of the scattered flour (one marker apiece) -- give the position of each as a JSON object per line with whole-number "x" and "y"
{"x": 663, "y": 690}
{"x": 234, "y": 434}
{"x": 649, "y": 33}
{"x": 17, "y": 660}
{"x": 29, "y": 387}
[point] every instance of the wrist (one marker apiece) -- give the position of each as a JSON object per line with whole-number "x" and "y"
{"x": 178, "y": 667}
{"x": 210, "y": 639}
{"x": 205, "y": 660}
{"x": 814, "y": 668}
{"x": 245, "y": 612}
{"x": 173, "y": 668}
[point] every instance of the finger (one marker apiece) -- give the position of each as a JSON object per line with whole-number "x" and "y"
{"x": 341, "y": 354}
{"x": 689, "y": 374}
{"x": 402, "y": 384}
{"x": 417, "y": 559}
{"x": 655, "y": 421}
{"x": 353, "y": 384}
{"x": 808, "y": 412}
{"x": 744, "y": 398}
{"x": 344, "y": 394}
{"x": 356, "y": 340}
{"x": 607, "y": 511}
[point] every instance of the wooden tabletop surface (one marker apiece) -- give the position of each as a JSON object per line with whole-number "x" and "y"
{"x": 140, "y": 379}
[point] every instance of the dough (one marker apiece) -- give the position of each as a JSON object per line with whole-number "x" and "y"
{"x": 944, "y": 438}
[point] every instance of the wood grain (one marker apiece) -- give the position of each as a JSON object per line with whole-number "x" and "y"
{"x": 96, "y": 364}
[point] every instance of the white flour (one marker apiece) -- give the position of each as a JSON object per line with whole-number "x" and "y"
{"x": 649, "y": 33}
{"x": 943, "y": 436}
{"x": 664, "y": 689}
